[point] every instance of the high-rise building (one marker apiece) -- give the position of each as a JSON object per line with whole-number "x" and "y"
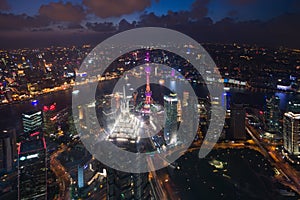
{"x": 190, "y": 119}
{"x": 272, "y": 113}
{"x": 8, "y": 149}
{"x": 32, "y": 170}
{"x": 80, "y": 176}
{"x": 170, "y": 129}
{"x": 293, "y": 106}
{"x": 123, "y": 185}
{"x": 49, "y": 117}
{"x": 32, "y": 121}
{"x": 291, "y": 133}
{"x": 225, "y": 100}
{"x": 237, "y": 122}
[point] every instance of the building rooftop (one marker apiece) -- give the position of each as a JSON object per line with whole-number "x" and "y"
{"x": 32, "y": 145}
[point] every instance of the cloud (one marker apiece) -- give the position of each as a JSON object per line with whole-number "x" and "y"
{"x": 241, "y": 2}
{"x": 125, "y": 25}
{"x": 20, "y": 22}
{"x": 4, "y": 5}
{"x": 282, "y": 30}
{"x": 63, "y": 12}
{"x": 115, "y": 8}
{"x": 199, "y": 9}
{"x": 233, "y": 13}
{"x": 101, "y": 27}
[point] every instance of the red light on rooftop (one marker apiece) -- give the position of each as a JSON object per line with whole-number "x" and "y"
{"x": 45, "y": 108}
{"x": 261, "y": 112}
{"x": 52, "y": 107}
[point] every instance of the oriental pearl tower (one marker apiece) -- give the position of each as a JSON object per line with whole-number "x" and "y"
{"x": 148, "y": 92}
{"x": 147, "y": 106}
{"x": 149, "y": 110}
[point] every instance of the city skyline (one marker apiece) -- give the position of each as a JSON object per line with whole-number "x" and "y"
{"x": 149, "y": 99}
{"x": 47, "y": 23}
{"x": 79, "y": 173}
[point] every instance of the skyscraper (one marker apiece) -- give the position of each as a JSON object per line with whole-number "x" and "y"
{"x": 170, "y": 129}
{"x": 190, "y": 118}
{"x": 123, "y": 185}
{"x": 7, "y": 149}
{"x": 272, "y": 114}
{"x": 32, "y": 121}
{"x": 293, "y": 106}
{"x": 49, "y": 117}
{"x": 291, "y": 133}
{"x": 32, "y": 170}
{"x": 237, "y": 122}
{"x": 80, "y": 176}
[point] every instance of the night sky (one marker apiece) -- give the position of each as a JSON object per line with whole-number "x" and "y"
{"x": 38, "y": 23}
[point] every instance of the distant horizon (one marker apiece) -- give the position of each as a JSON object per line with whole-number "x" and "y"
{"x": 94, "y": 38}
{"x": 51, "y": 22}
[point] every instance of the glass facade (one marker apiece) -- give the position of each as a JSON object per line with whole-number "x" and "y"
{"x": 170, "y": 129}
{"x": 291, "y": 133}
{"x": 32, "y": 170}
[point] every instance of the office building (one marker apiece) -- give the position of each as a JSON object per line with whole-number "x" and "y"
{"x": 293, "y": 106}
{"x": 80, "y": 176}
{"x": 49, "y": 117}
{"x": 170, "y": 129}
{"x": 32, "y": 170}
{"x": 291, "y": 133}
{"x": 237, "y": 122}
{"x": 8, "y": 149}
{"x": 272, "y": 113}
{"x": 32, "y": 121}
{"x": 123, "y": 185}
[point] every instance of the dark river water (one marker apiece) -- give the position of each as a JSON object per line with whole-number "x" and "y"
{"x": 10, "y": 114}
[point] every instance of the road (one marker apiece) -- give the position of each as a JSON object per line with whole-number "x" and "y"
{"x": 290, "y": 177}
{"x": 61, "y": 174}
{"x": 154, "y": 181}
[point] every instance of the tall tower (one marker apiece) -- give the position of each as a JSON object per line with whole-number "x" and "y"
{"x": 32, "y": 170}
{"x": 170, "y": 130}
{"x": 237, "y": 124}
{"x": 148, "y": 91}
{"x": 291, "y": 133}
{"x": 272, "y": 113}
{"x": 7, "y": 149}
{"x": 49, "y": 115}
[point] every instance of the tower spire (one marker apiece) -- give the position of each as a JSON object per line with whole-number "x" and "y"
{"x": 148, "y": 91}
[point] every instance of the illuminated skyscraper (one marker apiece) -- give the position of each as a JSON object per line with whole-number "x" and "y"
{"x": 237, "y": 120}
{"x": 80, "y": 176}
{"x": 32, "y": 170}
{"x": 148, "y": 91}
{"x": 293, "y": 106}
{"x": 272, "y": 113}
{"x": 291, "y": 133}
{"x": 49, "y": 115}
{"x": 190, "y": 117}
{"x": 7, "y": 149}
{"x": 170, "y": 129}
{"x": 32, "y": 121}
{"x": 123, "y": 185}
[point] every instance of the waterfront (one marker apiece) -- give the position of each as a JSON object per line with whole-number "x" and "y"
{"x": 10, "y": 114}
